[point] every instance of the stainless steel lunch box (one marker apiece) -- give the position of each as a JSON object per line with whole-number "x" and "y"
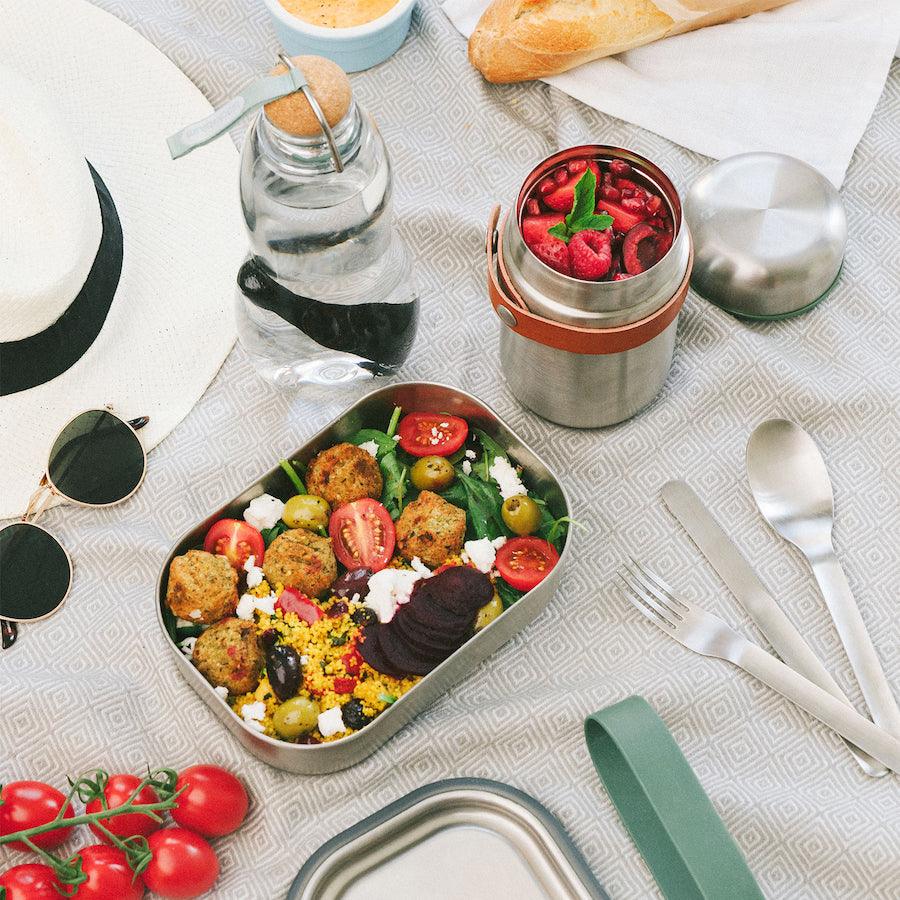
{"x": 586, "y": 354}
{"x": 372, "y": 410}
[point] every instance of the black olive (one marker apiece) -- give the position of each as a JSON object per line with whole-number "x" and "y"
{"x": 336, "y": 609}
{"x": 284, "y": 670}
{"x": 364, "y": 616}
{"x": 353, "y": 715}
{"x": 356, "y": 581}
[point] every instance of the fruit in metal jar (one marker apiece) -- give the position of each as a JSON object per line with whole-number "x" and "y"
{"x": 640, "y": 249}
{"x": 590, "y": 253}
{"x": 296, "y": 717}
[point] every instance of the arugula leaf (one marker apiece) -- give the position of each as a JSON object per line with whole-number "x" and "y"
{"x": 582, "y": 216}
{"x": 492, "y": 450}
{"x": 291, "y": 472}
{"x": 394, "y": 474}
{"x": 552, "y": 529}
{"x": 508, "y": 594}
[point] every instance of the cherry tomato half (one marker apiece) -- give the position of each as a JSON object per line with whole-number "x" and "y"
{"x": 362, "y": 535}
{"x": 109, "y": 877}
{"x": 214, "y": 801}
{"x": 118, "y": 790}
{"x": 237, "y": 540}
{"x": 183, "y": 864}
{"x": 33, "y": 881}
{"x": 30, "y": 803}
{"x": 291, "y": 600}
{"x": 524, "y": 562}
{"x": 432, "y": 434}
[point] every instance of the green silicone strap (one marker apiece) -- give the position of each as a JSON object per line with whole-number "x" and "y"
{"x": 663, "y": 806}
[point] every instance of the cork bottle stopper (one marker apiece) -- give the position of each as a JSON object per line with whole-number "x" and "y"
{"x": 329, "y": 85}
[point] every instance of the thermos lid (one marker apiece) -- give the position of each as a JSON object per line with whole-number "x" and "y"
{"x": 330, "y": 87}
{"x": 769, "y": 235}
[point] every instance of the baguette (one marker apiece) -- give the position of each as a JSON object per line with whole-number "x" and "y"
{"x": 518, "y": 40}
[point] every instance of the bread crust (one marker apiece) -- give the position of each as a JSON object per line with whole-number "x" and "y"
{"x": 518, "y": 40}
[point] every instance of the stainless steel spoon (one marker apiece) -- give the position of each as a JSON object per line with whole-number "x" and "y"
{"x": 792, "y": 489}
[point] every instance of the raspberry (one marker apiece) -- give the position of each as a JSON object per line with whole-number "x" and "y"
{"x": 591, "y": 254}
{"x": 554, "y": 253}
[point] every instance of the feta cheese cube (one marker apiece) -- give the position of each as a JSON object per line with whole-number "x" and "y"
{"x": 506, "y": 477}
{"x": 331, "y": 722}
{"x": 370, "y": 447}
{"x": 264, "y": 511}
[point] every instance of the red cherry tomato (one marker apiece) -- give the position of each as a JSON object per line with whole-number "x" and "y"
{"x": 33, "y": 881}
{"x": 109, "y": 877}
{"x": 183, "y": 864}
{"x": 524, "y": 562}
{"x": 292, "y": 600}
{"x": 432, "y": 434}
{"x": 118, "y": 790}
{"x": 30, "y": 803}
{"x": 214, "y": 801}
{"x": 237, "y": 540}
{"x": 362, "y": 535}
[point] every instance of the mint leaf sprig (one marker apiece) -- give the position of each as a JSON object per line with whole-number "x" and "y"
{"x": 582, "y": 217}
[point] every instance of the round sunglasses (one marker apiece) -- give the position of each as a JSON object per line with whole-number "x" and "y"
{"x": 97, "y": 460}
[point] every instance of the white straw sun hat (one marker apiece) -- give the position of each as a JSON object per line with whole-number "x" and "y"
{"x": 117, "y": 265}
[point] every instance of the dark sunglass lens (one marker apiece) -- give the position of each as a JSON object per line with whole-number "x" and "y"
{"x": 97, "y": 459}
{"x": 34, "y": 572}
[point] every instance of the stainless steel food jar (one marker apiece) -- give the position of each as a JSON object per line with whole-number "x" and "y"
{"x": 580, "y": 353}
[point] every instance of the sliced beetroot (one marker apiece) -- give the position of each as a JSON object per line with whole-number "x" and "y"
{"x": 640, "y": 249}
{"x": 370, "y": 650}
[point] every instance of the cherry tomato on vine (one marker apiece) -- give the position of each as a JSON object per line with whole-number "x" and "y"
{"x": 524, "y": 562}
{"x": 235, "y": 540}
{"x": 30, "y": 803}
{"x": 432, "y": 434}
{"x": 183, "y": 864}
{"x": 118, "y": 790}
{"x": 33, "y": 881}
{"x": 214, "y": 801}
{"x": 109, "y": 877}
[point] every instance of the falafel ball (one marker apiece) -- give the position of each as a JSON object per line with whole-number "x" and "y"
{"x": 431, "y": 528}
{"x": 202, "y": 587}
{"x": 301, "y": 559}
{"x": 344, "y": 473}
{"x": 228, "y": 655}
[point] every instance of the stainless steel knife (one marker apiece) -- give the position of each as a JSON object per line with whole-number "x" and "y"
{"x": 722, "y": 554}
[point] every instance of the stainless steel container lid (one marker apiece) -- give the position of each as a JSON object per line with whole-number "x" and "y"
{"x": 769, "y": 235}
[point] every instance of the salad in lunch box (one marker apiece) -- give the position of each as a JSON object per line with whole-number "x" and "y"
{"x": 317, "y": 611}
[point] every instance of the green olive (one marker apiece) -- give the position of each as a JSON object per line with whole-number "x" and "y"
{"x": 521, "y": 514}
{"x": 306, "y": 511}
{"x": 432, "y": 473}
{"x": 296, "y": 716}
{"x": 489, "y": 612}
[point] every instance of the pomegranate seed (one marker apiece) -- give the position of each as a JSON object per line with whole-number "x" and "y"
{"x": 653, "y": 204}
{"x": 545, "y": 186}
{"x": 627, "y": 192}
{"x": 576, "y": 166}
{"x": 633, "y": 204}
{"x": 561, "y": 177}
{"x": 608, "y": 192}
{"x": 532, "y": 207}
{"x": 619, "y": 167}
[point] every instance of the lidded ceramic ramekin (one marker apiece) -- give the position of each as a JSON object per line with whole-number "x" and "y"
{"x": 353, "y": 49}
{"x": 583, "y": 353}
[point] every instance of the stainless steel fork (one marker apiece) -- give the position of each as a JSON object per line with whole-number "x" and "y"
{"x": 705, "y": 633}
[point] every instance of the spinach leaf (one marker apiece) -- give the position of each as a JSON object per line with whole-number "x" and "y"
{"x": 385, "y": 443}
{"x": 483, "y": 504}
{"x": 269, "y": 534}
{"x": 508, "y": 594}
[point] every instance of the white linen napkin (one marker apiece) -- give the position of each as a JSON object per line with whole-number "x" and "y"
{"x": 803, "y": 80}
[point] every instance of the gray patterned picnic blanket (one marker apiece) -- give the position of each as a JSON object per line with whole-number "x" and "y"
{"x": 93, "y": 685}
